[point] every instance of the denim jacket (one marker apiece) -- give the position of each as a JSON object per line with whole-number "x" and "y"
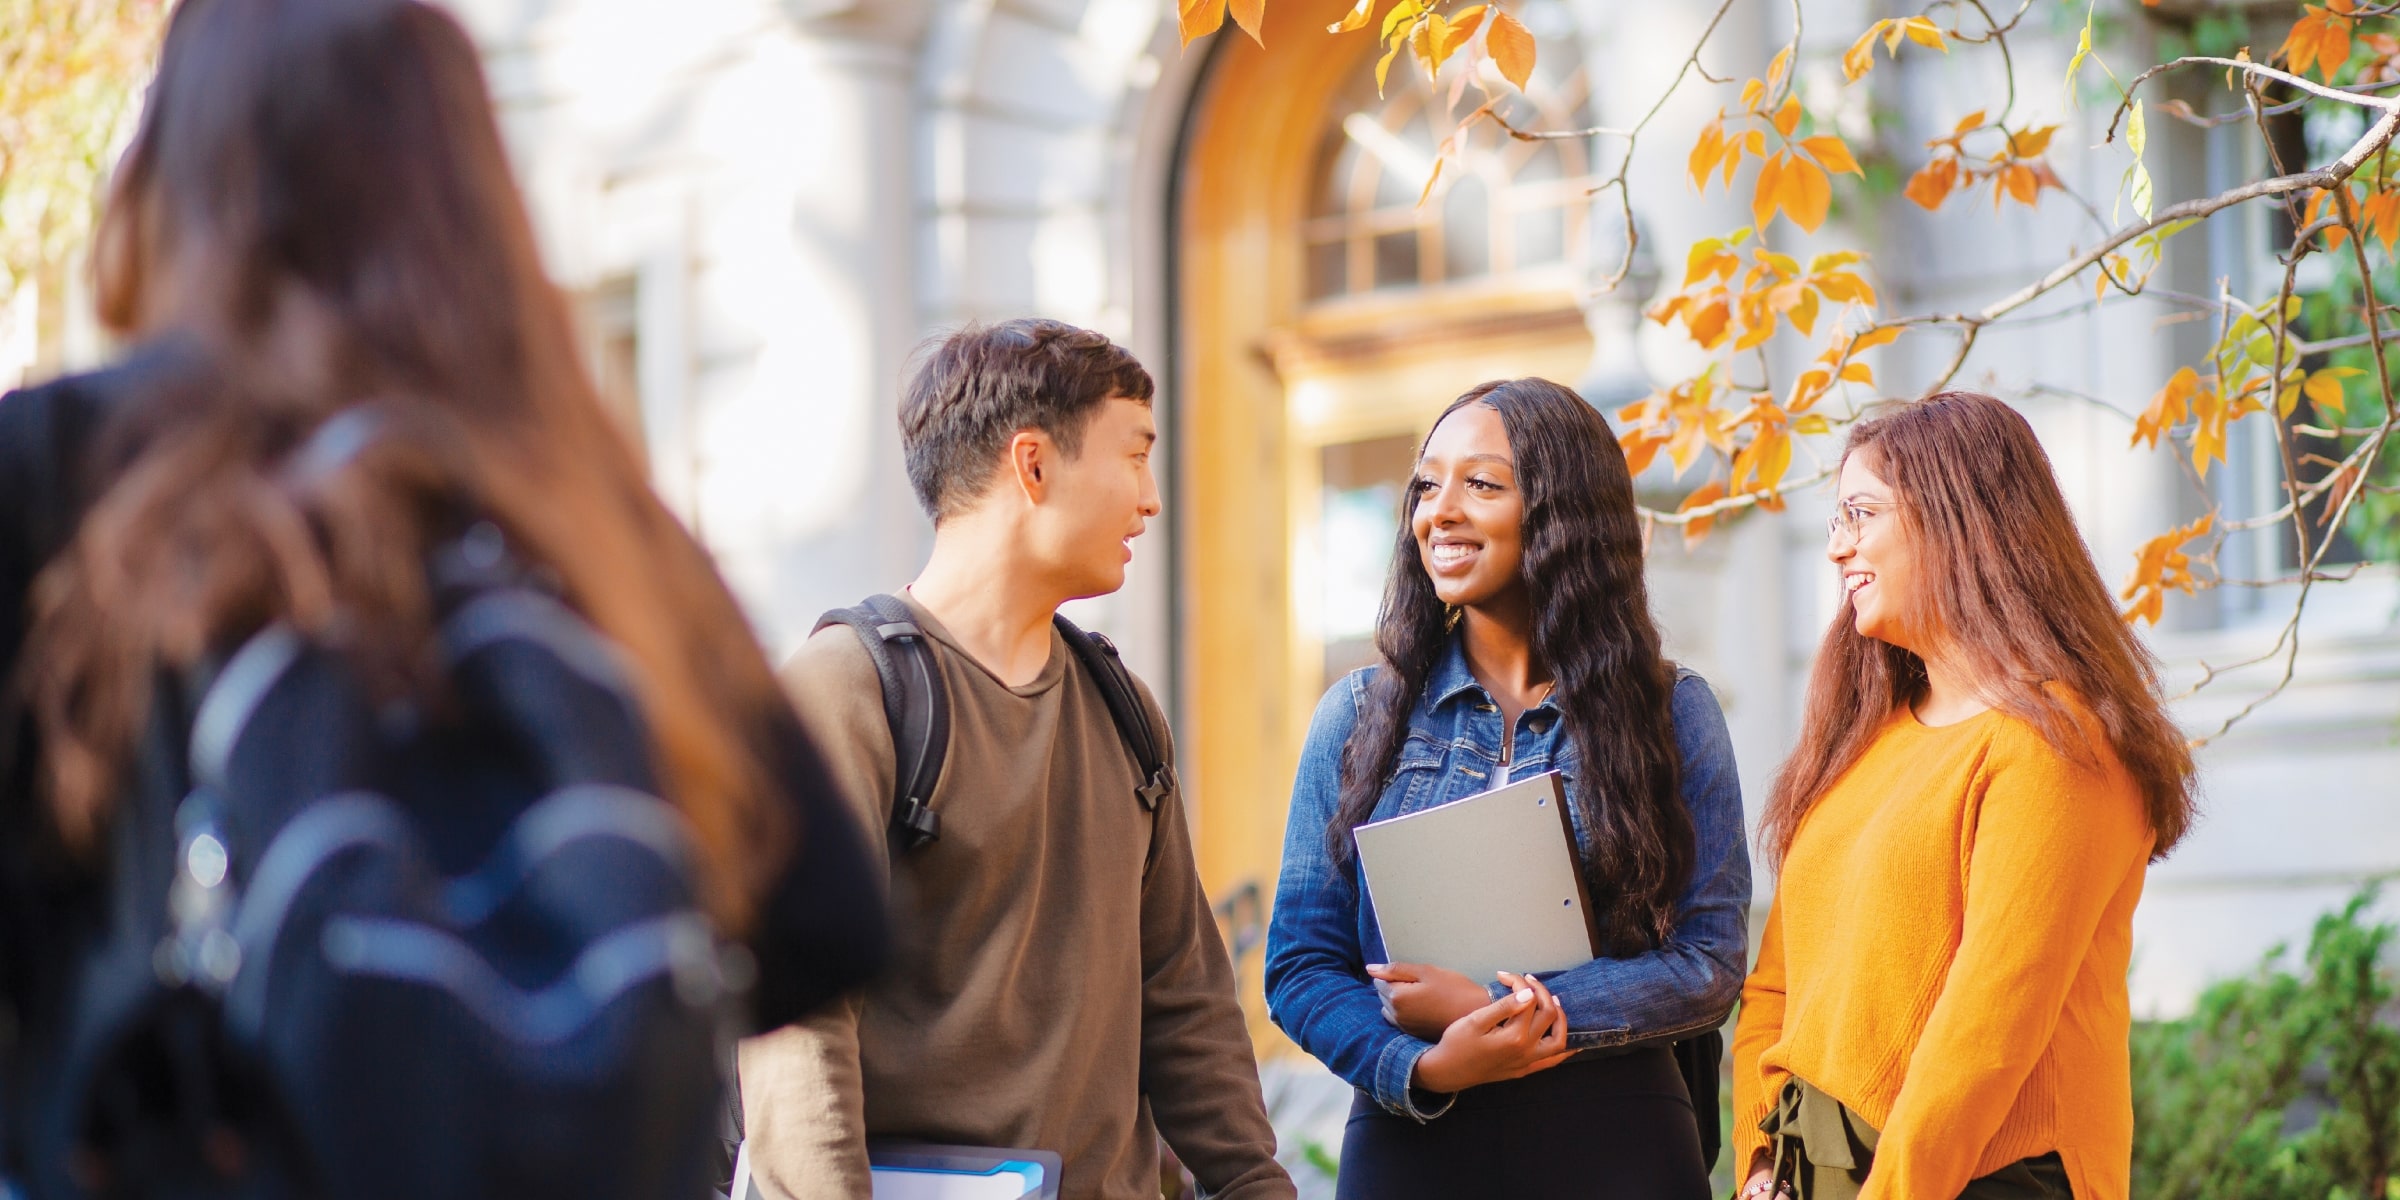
{"x": 1321, "y": 936}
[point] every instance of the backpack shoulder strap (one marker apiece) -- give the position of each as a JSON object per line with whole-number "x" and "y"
{"x": 915, "y": 702}
{"x": 1107, "y": 667}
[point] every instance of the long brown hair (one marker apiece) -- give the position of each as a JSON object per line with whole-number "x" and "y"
{"x": 2011, "y": 586}
{"x": 318, "y": 200}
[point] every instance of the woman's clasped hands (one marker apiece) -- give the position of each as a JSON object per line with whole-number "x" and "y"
{"x": 1477, "y": 1039}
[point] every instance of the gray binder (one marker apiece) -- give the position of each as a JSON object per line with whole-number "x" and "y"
{"x": 1482, "y": 885}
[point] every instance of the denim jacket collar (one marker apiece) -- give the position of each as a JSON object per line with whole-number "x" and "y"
{"x": 1451, "y": 679}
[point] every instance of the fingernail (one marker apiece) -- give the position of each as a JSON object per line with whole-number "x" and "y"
{"x": 1377, "y": 966}
{"x": 1524, "y": 994}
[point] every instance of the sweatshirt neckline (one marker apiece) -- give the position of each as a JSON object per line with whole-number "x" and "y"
{"x": 1052, "y": 671}
{"x": 1905, "y": 717}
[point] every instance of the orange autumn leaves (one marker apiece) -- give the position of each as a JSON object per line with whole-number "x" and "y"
{"x": 2320, "y": 39}
{"x": 2014, "y": 165}
{"x": 2163, "y": 566}
{"x": 1795, "y": 178}
{"x": 1199, "y": 18}
{"x": 1736, "y": 295}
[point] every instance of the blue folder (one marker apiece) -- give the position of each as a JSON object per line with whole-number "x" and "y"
{"x": 921, "y": 1171}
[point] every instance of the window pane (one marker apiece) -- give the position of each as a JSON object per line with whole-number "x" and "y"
{"x": 1328, "y": 269}
{"x": 1467, "y": 230}
{"x": 1541, "y": 237}
{"x": 1396, "y": 260}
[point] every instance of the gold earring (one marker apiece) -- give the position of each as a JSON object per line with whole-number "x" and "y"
{"x": 1452, "y": 617}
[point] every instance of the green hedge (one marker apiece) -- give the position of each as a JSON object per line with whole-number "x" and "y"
{"x": 2283, "y": 1085}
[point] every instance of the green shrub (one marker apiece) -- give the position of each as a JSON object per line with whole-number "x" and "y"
{"x": 2280, "y": 1085}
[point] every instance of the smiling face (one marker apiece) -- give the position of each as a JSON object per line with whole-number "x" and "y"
{"x": 1467, "y": 512}
{"x": 1096, "y": 501}
{"x": 1876, "y": 555}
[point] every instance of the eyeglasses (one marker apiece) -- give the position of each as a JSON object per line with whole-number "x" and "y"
{"x": 1850, "y": 519}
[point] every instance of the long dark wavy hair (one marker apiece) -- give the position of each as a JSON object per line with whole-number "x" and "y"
{"x": 1591, "y": 626}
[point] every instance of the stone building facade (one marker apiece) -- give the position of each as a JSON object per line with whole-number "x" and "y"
{"x": 763, "y": 205}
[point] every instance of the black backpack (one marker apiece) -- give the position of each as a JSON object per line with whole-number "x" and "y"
{"x": 917, "y": 704}
{"x": 406, "y": 953}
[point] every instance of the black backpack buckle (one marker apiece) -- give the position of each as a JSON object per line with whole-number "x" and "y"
{"x": 916, "y": 823}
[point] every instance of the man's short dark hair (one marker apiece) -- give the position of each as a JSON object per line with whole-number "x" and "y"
{"x": 977, "y": 388}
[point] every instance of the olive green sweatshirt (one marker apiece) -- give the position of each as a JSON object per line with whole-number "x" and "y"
{"x": 1057, "y": 980}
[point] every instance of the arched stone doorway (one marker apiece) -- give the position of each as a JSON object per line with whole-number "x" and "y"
{"x": 1323, "y": 318}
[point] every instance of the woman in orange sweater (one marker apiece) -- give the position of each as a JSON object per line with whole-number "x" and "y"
{"x": 1985, "y": 772}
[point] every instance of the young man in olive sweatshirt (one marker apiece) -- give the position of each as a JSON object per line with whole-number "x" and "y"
{"x": 1057, "y": 980}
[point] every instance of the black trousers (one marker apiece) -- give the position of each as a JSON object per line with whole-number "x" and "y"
{"x": 1612, "y": 1128}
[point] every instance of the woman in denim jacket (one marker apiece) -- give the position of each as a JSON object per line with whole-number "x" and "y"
{"x": 1516, "y": 638}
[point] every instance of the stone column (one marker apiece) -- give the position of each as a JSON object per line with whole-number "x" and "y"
{"x": 807, "y": 309}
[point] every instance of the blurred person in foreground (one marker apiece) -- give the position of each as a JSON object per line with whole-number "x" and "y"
{"x": 1985, "y": 772}
{"x": 1057, "y": 981}
{"x": 316, "y": 218}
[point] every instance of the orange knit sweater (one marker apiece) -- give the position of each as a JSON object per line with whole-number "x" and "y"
{"x": 1946, "y": 955}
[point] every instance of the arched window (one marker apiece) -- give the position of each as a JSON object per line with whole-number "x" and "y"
{"x": 1504, "y": 207}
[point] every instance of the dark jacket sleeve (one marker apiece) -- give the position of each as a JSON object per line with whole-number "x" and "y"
{"x": 822, "y": 930}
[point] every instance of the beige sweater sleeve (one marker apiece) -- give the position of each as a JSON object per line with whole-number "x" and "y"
{"x": 803, "y": 1111}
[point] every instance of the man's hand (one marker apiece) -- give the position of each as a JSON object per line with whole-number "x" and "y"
{"x": 1517, "y": 1035}
{"x": 1425, "y": 1000}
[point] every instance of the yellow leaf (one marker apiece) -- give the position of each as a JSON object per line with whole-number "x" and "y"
{"x": 1804, "y": 314}
{"x": 1787, "y": 118}
{"x": 1458, "y": 32}
{"x": 2030, "y": 143}
{"x": 1860, "y": 57}
{"x": 1768, "y": 189}
{"x": 1932, "y": 183}
{"x": 2160, "y": 566}
{"x": 1401, "y": 14}
{"x": 2017, "y": 181}
{"x": 1882, "y": 335}
{"x": 1707, "y": 326}
{"x": 1422, "y": 39}
{"x": 1512, "y": 49}
{"x": 1707, "y": 152}
{"x": 1753, "y": 92}
{"x": 1771, "y": 457}
{"x": 1199, "y": 18}
{"x": 1783, "y": 265}
{"x": 1833, "y": 152}
{"x": 1776, "y": 68}
{"x": 1701, "y": 261}
{"x": 1758, "y": 325}
{"x": 1356, "y": 18}
{"x": 1968, "y": 124}
{"x": 2325, "y": 391}
{"x": 1812, "y": 424}
{"x": 1684, "y": 446}
{"x": 1925, "y": 33}
{"x": 1251, "y": 15}
{"x": 2168, "y": 408}
{"x": 1696, "y": 529}
{"x": 1805, "y": 193}
{"x": 1845, "y": 288}
{"x": 1641, "y": 448}
{"x": 1858, "y": 372}
{"x": 1383, "y": 65}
